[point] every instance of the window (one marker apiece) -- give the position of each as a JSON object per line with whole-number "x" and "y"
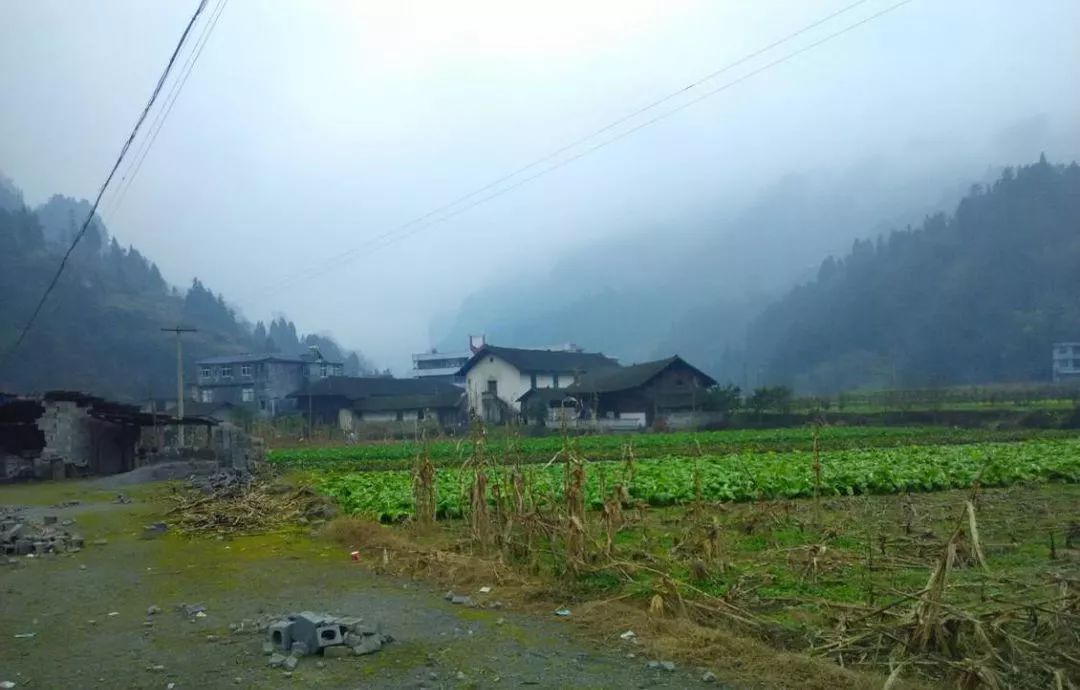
{"x": 245, "y": 370}
{"x": 262, "y": 403}
{"x": 322, "y": 371}
{"x": 493, "y": 387}
{"x": 226, "y": 372}
{"x": 206, "y": 395}
{"x": 339, "y": 369}
{"x": 400, "y": 416}
{"x": 206, "y": 372}
{"x": 247, "y": 395}
{"x": 532, "y": 380}
{"x": 554, "y": 380}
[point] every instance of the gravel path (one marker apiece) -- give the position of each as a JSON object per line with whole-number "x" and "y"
{"x": 88, "y": 615}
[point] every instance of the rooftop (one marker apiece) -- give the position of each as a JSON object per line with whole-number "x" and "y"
{"x": 632, "y": 376}
{"x": 542, "y": 361}
{"x": 261, "y": 357}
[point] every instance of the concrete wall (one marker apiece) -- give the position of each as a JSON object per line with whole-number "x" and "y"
{"x": 509, "y": 379}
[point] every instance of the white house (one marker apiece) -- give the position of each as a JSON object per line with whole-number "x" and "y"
{"x": 496, "y": 377}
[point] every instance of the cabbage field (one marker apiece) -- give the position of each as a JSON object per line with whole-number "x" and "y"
{"x": 400, "y": 454}
{"x": 743, "y": 476}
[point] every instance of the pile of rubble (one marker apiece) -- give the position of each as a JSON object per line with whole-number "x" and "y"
{"x": 306, "y": 634}
{"x": 23, "y": 538}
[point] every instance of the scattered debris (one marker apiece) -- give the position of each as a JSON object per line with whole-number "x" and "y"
{"x": 191, "y": 610}
{"x": 485, "y": 590}
{"x": 154, "y": 530}
{"x": 7, "y": 684}
{"x": 708, "y": 677}
{"x": 23, "y": 538}
{"x": 153, "y": 610}
{"x": 461, "y": 600}
{"x": 562, "y": 612}
{"x": 628, "y": 635}
{"x": 231, "y": 501}
{"x": 121, "y": 499}
{"x": 307, "y": 633}
{"x": 667, "y": 665}
{"x": 25, "y": 636}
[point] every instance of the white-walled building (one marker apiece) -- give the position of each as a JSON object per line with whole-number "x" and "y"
{"x": 496, "y": 377}
{"x": 1066, "y": 362}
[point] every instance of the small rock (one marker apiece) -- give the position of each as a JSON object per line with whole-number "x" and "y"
{"x": 100, "y": 542}
{"x": 291, "y": 662}
{"x": 299, "y": 649}
{"x": 49, "y": 520}
{"x": 461, "y": 599}
{"x": 286, "y": 674}
{"x": 170, "y": 686}
{"x": 485, "y": 590}
{"x": 448, "y": 596}
{"x": 268, "y": 648}
{"x": 320, "y": 664}
{"x": 461, "y": 675}
{"x": 500, "y": 621}
{"x": 6, "y": 684}
{"x": 148, "y": 624}
{"x": 652, "y": 665}
{"x": 155, "y": 667}
{"x": 562, "y": 612}
{"x": 667, "y": 665}
{"x": 337, "y": 652}
{"x": 708, "y": 677}
{"x": 628, "y": 635}
{"x": 211, "y": 638}
{"x": 275, "y": 661}
{"x": 153, "y": 610}
{"x": 432, "y": 675}
{"x": 369, "y": 645}
{"x": 238, "y": 680}
{"x": 82, "y": 566}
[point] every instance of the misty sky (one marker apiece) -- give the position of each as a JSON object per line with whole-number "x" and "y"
{"x": 309, "y": 128}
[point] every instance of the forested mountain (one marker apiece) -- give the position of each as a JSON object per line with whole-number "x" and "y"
{"x": 100, "y": 330}
{"x": 972, "y": 297}
{"x": 692, "y": 285}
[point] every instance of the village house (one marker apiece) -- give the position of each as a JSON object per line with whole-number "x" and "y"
{"x": 497, "y": 377}
{"x": 260, "y": 383}
{"x": 349, "y": 401}
{"x": 669, "y": 390}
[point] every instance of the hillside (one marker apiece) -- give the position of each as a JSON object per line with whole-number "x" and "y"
{"x": 693, "y": 283}
{"x": 972, "y": 297}
{"x": 101, "y": 329}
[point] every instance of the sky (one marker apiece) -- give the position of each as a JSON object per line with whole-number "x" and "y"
{"x": 311, "y": 130}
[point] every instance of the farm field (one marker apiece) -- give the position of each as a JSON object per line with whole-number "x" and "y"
{"x": 401, "y": 454}
{"x": 926, "y": 551}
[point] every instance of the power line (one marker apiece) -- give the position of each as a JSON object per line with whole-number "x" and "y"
{"x": 418, "y": 224}
{"x": 93, "y": 209}
{"x": 166, "y": 109}
{"x": 592, "y": 135}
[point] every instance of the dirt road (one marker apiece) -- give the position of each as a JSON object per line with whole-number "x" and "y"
{"x": 87, "y": 614}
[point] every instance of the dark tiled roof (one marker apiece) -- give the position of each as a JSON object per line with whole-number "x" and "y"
{"x": 543, "y": 361}
{"x": 633, "y": 376}
{"x": 360, "y": 387}
{"x": 193, "y": 408}
{"x": 388, "y": 403}
{"x": 260, "y": 357}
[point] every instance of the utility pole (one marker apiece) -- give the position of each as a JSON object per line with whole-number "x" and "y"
{"x": 180, "y": 381}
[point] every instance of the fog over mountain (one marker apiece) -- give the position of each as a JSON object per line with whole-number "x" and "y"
{"x": 308, "y": 137}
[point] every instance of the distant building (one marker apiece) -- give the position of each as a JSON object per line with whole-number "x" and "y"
{"x": 261, "y": 383}
{"x": 497, "y": 377}
{"x": 349, "y": 401}
{"x": 637, "y": 395}
{"x": 444, "y": 366}
{"x": 1066, "y": 362}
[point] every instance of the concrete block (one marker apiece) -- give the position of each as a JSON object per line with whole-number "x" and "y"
{"x": 280, "y": 635}
{"x": 276, "y": 661}
{"x": 305, "y": 628}
{"x": 299, "y": 649}
{"x": 291, "y": 662}
{"x": 337, "y": 652}
{"x": 329, "y": 635}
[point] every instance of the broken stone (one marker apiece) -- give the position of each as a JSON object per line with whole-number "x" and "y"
{"x": 337, "y": 652}
{"x": 280, "y": 634}
{"x": 300, "y": 649}
{"x": 275, "y": 661}
{"x": 667, "y": 665}
{"x": 154, "y": 530}
{"x": 368, "y": 645}
{"x": 291, "y": 662}
{"x": 50, "y": 520}
{"x": 653, "y": 665}
{"x": 708, "y": 677}
{"x": 461, "y": 675}
{"x": 100, "y": 542}
{"x": 268, "y": 648}
{"x": 461, "y": 600}
{"x": 153, "y": 610}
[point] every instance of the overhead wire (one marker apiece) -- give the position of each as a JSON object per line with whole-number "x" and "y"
{"x": 10, "y": 351}
{"x": 128, "y": 178}
{"x": 416, "y": 225}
